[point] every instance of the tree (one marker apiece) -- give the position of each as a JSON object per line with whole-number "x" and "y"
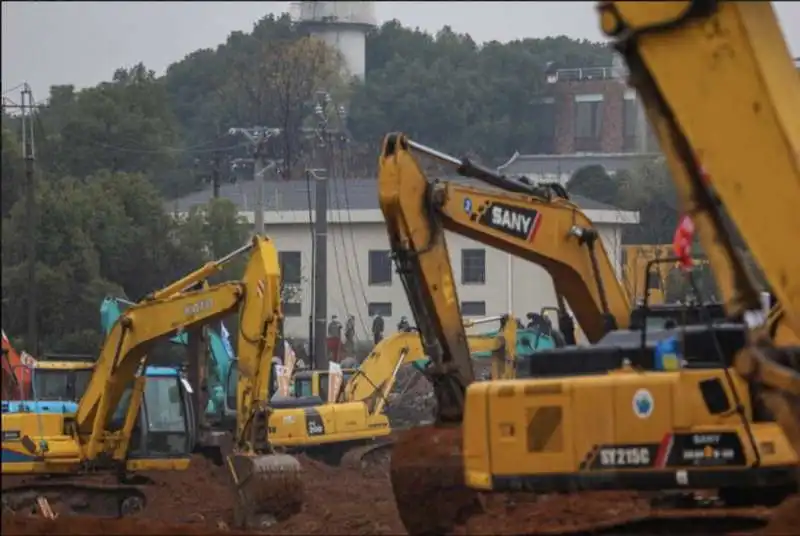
{"x": 595, "y": 183}
{"x": 125, "y": 125}
{"x": 13, "y": 170}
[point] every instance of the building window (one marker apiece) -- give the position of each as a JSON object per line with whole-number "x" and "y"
{"x": 292, "y": 309}
{"x": 544, "y": 114}
{"x": 380, "y": 267}
{"x": 473, "y": 308}
{"x": 629, "y": 125}
{"x": 588, "y": 122}
{"x": 379, "y": 308}
{"x": 291, "y": 267}
{"x": 473, "y": 266}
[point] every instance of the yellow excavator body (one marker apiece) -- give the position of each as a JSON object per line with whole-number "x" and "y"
{"x": 624, "y": 430}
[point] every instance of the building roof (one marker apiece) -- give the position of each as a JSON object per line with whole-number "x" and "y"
{"x": 567, "y": 164}
{"x": 353, "y": 194}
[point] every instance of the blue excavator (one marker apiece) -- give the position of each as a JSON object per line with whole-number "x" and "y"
{"x": 222, "y": 359}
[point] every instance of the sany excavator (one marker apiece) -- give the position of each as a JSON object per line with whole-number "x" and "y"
{"x": 714, "y": 76}
{"x": 109, "y": 433}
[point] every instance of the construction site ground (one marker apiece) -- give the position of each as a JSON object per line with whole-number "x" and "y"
{"x": 351, "y": 501}
{"x": 341, "y": 500}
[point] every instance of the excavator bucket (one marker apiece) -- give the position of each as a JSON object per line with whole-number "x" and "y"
{"x": 427, "y": 474}
{"x": 268, "y": 488}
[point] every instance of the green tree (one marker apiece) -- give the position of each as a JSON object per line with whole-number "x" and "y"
{"x": 124, "y": 125}
{"x": 12, "y": 176}
{"x": 595, "y": 183}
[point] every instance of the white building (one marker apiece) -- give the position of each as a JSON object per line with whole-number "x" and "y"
{"x": 361, "y": 277}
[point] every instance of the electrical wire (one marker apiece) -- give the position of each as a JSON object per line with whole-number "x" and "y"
{"x": 7, "y": 91}
{"x": 331, "y": 173}
{"x": 342, "y": 240}
{"x": 178, "y": 150}
{"x": 344, "y": 166}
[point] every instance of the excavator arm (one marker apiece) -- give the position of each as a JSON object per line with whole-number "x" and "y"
{"x": 127, "y": 344}
{"x": 548, "y": 231}
{"x": 732, "y": 141}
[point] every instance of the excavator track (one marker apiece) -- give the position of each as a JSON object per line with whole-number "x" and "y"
{"x": 374, "y": 455}
{"x": 72, "y": 498}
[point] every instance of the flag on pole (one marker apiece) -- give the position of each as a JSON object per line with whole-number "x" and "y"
{"x": 682, "y": 241}
{"x": 226, "y": 340}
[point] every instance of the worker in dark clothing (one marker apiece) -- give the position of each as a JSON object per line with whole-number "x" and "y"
{"x": 377, "y": 329}
{"x": 403, "y": 325}
{"x": 350, "y": 336}
{"x": 334, "y": 339}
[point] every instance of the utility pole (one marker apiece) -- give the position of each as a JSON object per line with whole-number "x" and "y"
{"x": 320, "y": 354}
{"x": 259, "y": 166}
{"x": 258, "y": 137}
{"x": 29, "y": 154}
{"x": 215, "y": 174}
{"x": 325, "y": 157}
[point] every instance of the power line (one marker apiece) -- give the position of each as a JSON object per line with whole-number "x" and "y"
{"x": 345, "y": 139}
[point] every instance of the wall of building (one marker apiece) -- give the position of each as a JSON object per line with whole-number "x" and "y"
{"x": 349, "y": 290}
{"x": 564, "y": 97}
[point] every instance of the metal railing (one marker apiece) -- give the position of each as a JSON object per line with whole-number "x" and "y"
{"x": 581, "y": 74}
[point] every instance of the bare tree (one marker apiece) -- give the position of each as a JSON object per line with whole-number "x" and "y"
{"x": 275, "y": 86}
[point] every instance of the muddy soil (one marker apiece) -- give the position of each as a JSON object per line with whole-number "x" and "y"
{"x": 350, "y": 501}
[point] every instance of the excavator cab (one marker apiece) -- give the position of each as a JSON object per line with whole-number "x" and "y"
{"x": 315, "y": 382}
{"x": 165, "y": 426}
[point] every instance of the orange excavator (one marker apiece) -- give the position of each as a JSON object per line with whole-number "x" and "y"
{"x": 16, "y": 380}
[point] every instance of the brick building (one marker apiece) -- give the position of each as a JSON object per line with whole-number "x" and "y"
{"x": 591, "y": 110}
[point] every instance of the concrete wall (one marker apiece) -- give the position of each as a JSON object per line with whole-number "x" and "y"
{"x": 516, "y": 285}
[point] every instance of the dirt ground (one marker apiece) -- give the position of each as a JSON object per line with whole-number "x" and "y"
{"x": 350, "y": 501}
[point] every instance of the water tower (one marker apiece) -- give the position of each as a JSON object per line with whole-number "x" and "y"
{"x": 342, "y": 25}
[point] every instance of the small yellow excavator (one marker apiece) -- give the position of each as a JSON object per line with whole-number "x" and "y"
{"x": 607, "y": 419}
{"x": 108, "y": 434}
{"x": 354, "y": 427}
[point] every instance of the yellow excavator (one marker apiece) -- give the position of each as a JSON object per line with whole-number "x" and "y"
{"x": 108, "y": 434}
{"x": 606, "y": 419}
{"x": 354, "y": 428}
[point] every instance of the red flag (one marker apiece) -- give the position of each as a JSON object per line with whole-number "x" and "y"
{"x": 682, "y": 241}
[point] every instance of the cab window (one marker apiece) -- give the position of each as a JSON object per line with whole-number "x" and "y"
{"x": 165, "y": 410}
{"x": 52, "y": 384}
{"x": 302, "y": 387}
{"x": 82, "y": 378}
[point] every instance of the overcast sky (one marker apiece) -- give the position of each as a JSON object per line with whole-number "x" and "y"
{"x": 82, "y": 43}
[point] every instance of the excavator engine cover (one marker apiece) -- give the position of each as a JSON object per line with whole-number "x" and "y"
{"x": 268, "y": 486}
